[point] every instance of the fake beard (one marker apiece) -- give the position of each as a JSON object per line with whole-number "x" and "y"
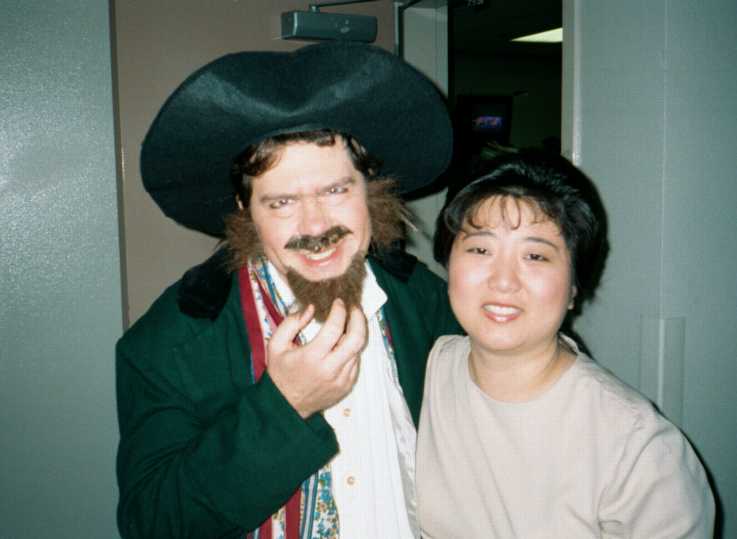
{"x": 387, "y": 214}
{"x": 322, "y": 294}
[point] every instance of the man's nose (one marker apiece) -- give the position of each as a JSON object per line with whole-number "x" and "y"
{"x": 314, "y": 217}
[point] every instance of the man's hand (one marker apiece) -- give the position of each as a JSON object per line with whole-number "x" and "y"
{"x": 315, "y": 376}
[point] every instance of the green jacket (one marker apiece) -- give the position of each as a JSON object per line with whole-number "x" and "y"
{"x": 205, "y": 452}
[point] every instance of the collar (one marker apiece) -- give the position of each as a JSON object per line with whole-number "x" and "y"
{"x": 373, "y": 297}
{"x": 204, "y": 289}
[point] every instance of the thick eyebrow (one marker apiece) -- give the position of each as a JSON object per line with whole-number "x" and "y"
{"x": 348, "y": 180}
{"x": 537, "y": 239}
{"x": 271, "y": 197}
{"x": 486, "y": 232}
{"x": 477, "y": 232}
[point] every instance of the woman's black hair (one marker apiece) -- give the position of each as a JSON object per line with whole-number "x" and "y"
{"x": 561, "y": 192}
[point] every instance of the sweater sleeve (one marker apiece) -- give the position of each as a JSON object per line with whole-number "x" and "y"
{"x": 660, "y": 489}
{"x": 201, "y": 455}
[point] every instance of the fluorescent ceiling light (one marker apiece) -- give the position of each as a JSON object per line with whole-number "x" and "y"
{"x": 551, "y": 36}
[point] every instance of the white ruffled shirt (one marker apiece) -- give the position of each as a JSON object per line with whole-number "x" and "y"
{"x": 373, "y": 473}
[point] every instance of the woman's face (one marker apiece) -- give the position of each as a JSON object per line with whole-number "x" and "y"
{"x": 509, "y": 281}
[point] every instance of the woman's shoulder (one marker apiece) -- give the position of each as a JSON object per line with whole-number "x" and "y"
{"x": 618, "y": 406}
{"x": 591, "y": 380}
{"x": 652, "y": 464}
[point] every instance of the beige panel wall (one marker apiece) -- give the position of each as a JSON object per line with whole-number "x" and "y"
{"x": 426, "y": 47}
{"x": 157, "y": 44}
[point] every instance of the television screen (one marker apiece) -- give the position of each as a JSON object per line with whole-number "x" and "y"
{"x": 482, "y": 119}
{"x": 488, "y": 123}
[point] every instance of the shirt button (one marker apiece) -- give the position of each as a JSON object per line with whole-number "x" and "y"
{"x": 350, "y": 480}
{"x": 347, "y": 412}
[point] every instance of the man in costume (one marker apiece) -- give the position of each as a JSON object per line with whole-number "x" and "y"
{"x": 274, "y": 391}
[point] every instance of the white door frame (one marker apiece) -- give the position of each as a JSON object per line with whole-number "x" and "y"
{"x": 424, "y": 44}
{"x": 571, "y": 88}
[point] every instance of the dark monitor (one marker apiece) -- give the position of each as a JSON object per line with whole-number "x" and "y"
{"x": 481, "y": 119}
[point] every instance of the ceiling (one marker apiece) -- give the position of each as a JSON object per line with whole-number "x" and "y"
{"x": 488, "y": 28}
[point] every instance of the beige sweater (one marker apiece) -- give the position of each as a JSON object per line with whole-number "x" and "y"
{"x": 589, "y": 458}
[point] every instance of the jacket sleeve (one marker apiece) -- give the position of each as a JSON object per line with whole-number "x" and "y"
{"x": 201, "y": 455}
{"x": 438, "y": 316}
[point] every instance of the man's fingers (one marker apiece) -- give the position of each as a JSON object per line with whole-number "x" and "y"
{"x": 289, "y": 328}
{"x": 331, "y": 332}
{"x": 349, "y": 371}
{"x": 351, "y": 343}
{"x": 324, "y": 370}
{"x": 356, "y": 331}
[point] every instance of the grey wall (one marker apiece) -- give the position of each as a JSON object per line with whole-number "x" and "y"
{"x": 60, "y": 311}
{"x": 654, "y": 125}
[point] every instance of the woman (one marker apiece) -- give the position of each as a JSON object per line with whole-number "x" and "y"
{"x": 521, "y": 434}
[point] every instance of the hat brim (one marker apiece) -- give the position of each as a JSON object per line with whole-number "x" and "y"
{"x": 394, "y": 111}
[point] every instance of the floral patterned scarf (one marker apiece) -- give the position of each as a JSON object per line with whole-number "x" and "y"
{"x": 263, "y": 311}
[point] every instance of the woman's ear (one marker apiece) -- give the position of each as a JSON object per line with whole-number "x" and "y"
{"x": 572, "y": 302}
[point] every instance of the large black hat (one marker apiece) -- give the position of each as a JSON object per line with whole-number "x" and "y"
{"x": 394, "y": 111}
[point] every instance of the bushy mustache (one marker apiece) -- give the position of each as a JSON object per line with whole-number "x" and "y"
{"x": 387, "y": 214}
{"x": 315, "y": 244}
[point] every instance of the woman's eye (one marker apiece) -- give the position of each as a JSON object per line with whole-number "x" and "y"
{"x": 537, "y": 257}
{"x": 337, "y": 190}
{"x": 478, "y": 250}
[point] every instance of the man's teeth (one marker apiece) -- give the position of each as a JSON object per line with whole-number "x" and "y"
{"x": 321, "y": 255}
{"x": 500, "y": 310}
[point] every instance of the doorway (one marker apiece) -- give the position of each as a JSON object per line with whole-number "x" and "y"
{"x": 501, "y": 93}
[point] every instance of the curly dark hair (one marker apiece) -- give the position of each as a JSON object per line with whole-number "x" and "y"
{"x": 260, "y": 157}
